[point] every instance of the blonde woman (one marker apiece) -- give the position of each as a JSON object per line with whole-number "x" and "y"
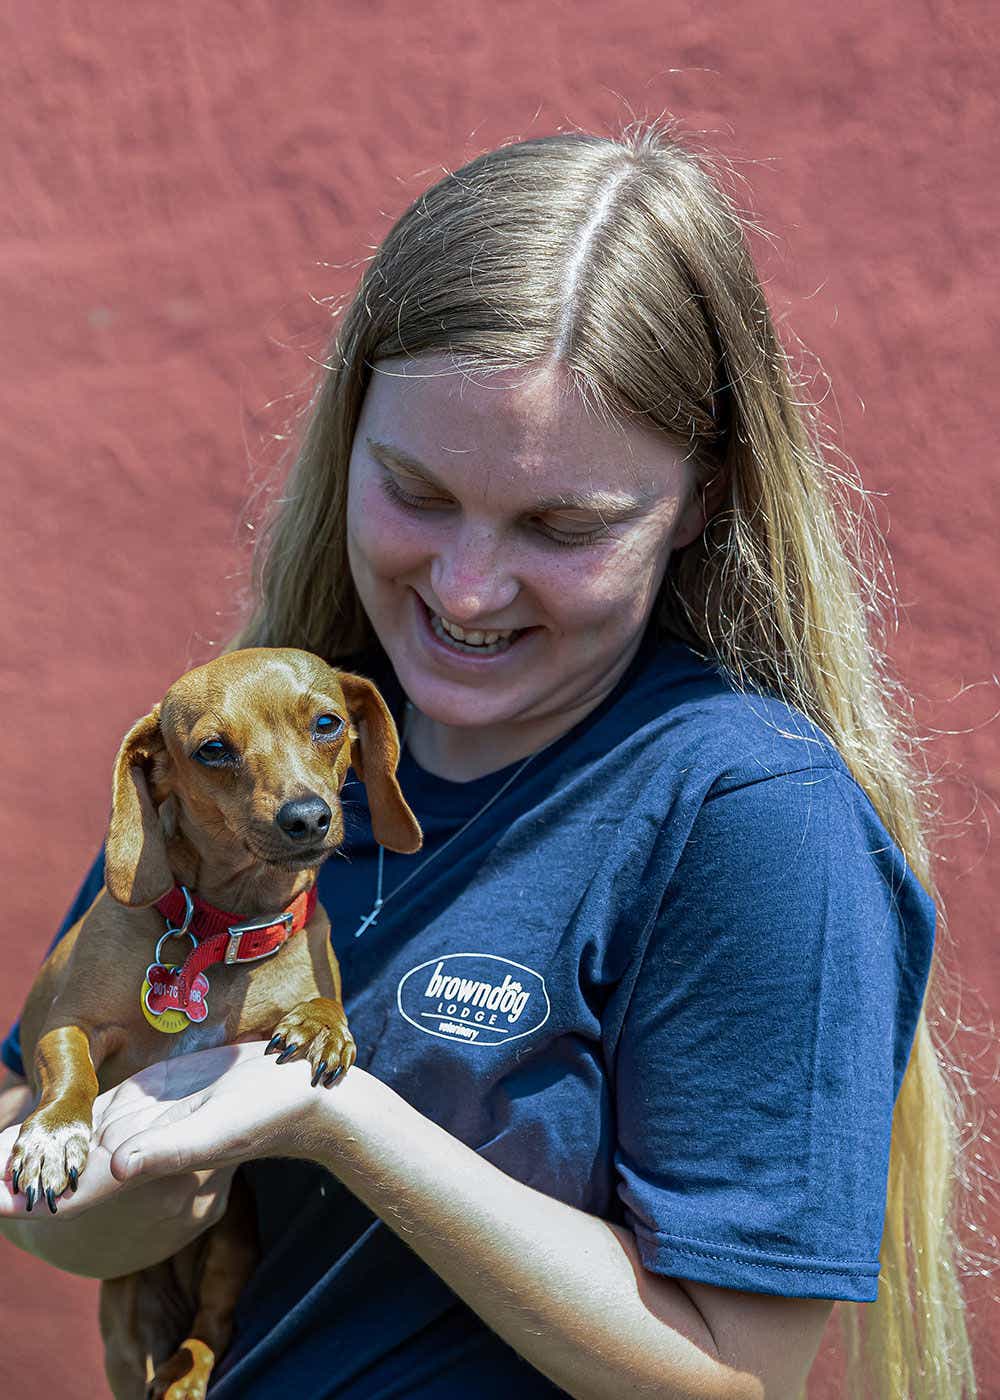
{"x": 645, "y": 1081}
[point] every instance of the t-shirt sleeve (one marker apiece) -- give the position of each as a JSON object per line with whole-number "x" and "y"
{"x": 10, "y": 1050}
{"x": 765, "y": 1041}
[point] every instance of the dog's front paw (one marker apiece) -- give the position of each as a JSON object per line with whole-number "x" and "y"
{"x": 316, "y": 1030}
{"x": 50, "y": 1153}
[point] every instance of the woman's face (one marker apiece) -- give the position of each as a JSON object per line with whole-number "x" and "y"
{"x": 507, "y": 545}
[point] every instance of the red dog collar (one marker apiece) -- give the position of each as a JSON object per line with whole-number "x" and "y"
{"x": 221, "y": 937}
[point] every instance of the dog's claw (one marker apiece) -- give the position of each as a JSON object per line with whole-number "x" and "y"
{"x": 333, "y": 1076}
{"x": 30, "y": 1196}
{"x": 273, "y": 1044}
{"x": 286, "y": 1054}
{"x": 74, "y": 1178}
{"x": 14, "y": 1181}
{"x": 319, "y": 1073}
{"x": 50, "y": 1196}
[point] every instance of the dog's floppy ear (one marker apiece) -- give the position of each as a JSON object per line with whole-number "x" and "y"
{"x": 375, "y": 757}
{"x": 136, "y": 872}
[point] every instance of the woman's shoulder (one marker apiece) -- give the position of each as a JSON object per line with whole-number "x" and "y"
{"x": 765, "y": 781}
{"x": 689, "y": 711}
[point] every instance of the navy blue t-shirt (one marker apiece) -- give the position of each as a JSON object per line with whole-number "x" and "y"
{"x": 671, "y": 977}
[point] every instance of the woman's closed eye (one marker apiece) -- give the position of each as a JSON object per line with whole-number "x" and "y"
{"x": 422, "y": 500}
{"x": 584, "y": 535}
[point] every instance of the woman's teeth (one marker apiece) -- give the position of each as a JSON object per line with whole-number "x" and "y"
{"x": 483, "y": 643}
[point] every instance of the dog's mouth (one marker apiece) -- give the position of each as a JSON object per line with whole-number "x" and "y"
{"x": 305, "y": 861}
{"x": 287, "y": 858}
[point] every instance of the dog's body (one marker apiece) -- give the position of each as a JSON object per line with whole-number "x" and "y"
{"x": 230, "y": 790}
{"x": 150, "y": 1321}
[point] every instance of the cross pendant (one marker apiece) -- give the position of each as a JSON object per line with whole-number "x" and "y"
{"x": 368, "y": 920}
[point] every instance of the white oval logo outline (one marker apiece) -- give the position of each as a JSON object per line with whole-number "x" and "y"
{"x": 463, "y": 1040}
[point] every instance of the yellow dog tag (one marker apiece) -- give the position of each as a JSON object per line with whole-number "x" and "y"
{"x": 170, "y": 1022}
{"x": 162, "y": 1002}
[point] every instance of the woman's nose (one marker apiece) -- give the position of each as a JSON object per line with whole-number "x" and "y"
{"x": 471, "y": 577}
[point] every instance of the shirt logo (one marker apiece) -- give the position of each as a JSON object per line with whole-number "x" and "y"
{"x": 475, "y": 997}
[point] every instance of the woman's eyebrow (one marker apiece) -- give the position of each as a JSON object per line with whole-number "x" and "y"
{"x": 612, "y": 504}
{"x": 399, "y": 458}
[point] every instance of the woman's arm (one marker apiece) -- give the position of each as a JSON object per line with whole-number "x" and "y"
{"x": 565, "y": 1289}
{"x": 138, "y": 1228}
{"x": 126, "y": 1232}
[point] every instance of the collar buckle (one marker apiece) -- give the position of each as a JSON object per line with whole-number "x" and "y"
{"x": 236, "y": 932}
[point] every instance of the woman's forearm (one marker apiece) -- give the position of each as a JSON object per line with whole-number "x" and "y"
{"x": 140, "y": 1227}
{"x": 564, "y": 1288}
{"x": 129, "y": 1232}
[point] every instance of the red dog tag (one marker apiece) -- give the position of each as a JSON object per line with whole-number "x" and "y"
{"x": 164, "y": 993}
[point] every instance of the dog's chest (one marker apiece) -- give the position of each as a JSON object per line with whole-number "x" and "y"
{"x": 204, "y": 1037}
{"x": 239, "y": 1008}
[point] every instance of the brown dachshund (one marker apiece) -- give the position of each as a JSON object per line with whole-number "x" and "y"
{"x": 225, "y": 798}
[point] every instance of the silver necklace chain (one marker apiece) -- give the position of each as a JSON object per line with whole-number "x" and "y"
{"x": 380, "y": 903}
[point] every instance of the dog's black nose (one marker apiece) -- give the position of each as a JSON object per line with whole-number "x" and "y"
{"x": 304, "y": 819}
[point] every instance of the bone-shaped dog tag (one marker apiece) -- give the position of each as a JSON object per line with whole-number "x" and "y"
{"x": 161, "y": 1001}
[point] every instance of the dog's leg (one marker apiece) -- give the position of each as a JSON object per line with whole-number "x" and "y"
{"x": 52, "y": 1147}
{"x": 230, "y": 1257}
{"x": 143, "y": 1316}
{"x": 317, "y": 1029}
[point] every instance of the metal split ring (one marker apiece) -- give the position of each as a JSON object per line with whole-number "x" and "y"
{"x": 184, "y": 928}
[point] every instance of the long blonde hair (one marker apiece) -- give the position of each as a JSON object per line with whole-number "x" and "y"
{"x": 627, "y": 261}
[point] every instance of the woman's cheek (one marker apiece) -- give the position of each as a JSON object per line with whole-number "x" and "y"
{"x": 598, "y": 576}
{"x": 609, "y": 589}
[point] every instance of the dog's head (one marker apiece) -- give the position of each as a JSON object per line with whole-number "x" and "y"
{"x": 247, "y": 756}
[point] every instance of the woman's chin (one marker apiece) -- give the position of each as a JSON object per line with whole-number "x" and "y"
{"x": 459, "y": 711}
{"x": 449, "y": 697}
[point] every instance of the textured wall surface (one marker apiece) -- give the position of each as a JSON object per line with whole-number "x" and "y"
{"x": 184, "y": 185}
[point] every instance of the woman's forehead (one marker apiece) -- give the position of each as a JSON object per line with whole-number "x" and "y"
{"x": 525, "y": 420}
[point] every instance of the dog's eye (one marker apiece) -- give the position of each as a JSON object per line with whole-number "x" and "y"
{"x": 213, "y": 752}
{"x": 327, "y": 726}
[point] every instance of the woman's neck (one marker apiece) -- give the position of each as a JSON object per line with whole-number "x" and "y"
{"x": 462, "y": 753}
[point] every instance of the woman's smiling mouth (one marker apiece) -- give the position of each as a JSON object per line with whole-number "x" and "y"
{"x": 484, "y": 643}
{"x": 463, "y": 641}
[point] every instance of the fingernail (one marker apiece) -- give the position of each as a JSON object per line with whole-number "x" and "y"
{"x": 74, "y": 1177}
{"x": 273, "y": 1044}
{"x": 319, "y": 1073}
{"x": 286, "y": 1054}
{"x": 133, "y": 1163}
{"x": 50, "y": 1196}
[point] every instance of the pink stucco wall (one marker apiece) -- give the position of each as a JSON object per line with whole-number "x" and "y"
{"x": 182, "y": 186}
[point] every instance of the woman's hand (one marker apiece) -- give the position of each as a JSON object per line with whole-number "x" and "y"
{"x": 216, "y": 1108}
{"x": 209, "y": 1109}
